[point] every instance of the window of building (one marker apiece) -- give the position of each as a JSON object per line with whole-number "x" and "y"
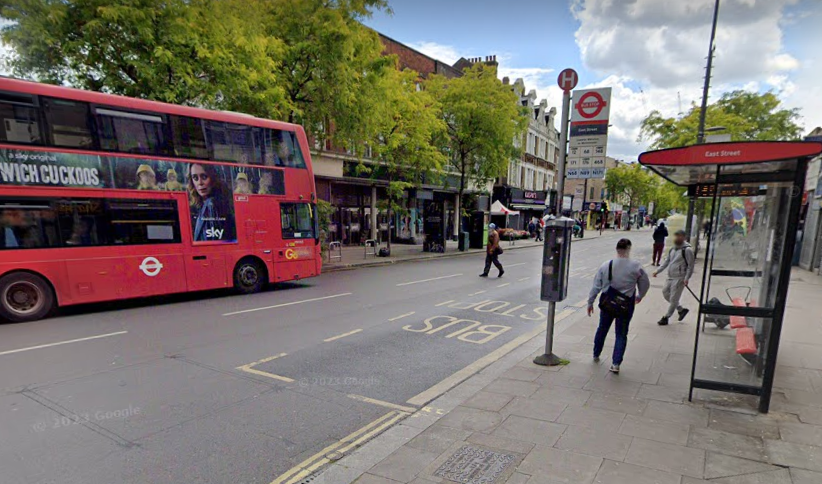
{"x": 189, "y": 137}
{"x": 68, "y": 123}
{"x": 28, "y": 224}
{"x": 592, "y": 194}
{"x": 20, "y": 116}
{"x": 131, "y": 132}
{"x": 297, "y": 221}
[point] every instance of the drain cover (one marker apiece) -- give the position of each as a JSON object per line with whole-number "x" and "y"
{"x": 473, "y": 465}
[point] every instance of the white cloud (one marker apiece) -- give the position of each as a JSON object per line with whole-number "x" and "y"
{"x": 440, "y": 52}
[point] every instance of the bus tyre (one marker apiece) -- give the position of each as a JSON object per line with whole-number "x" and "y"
{"x": 24, "y": 297}
{"x": 249, "y": 276}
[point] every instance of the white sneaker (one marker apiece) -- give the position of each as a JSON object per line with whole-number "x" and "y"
{"x": 615, "y": 369}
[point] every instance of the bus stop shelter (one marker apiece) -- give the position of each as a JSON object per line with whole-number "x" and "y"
{"x": 755, "y": 192}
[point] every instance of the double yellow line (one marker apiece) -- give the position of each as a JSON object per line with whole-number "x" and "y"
{"x": 346, "y": 444}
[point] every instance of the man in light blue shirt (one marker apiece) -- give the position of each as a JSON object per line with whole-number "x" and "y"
{"x": 625, "y": 276}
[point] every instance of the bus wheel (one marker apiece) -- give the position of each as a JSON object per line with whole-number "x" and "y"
{"x": 24, "y": 297}
{"x": 249, "y": 276}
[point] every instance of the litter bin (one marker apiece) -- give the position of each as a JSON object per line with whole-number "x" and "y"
{"x": 462, "y": 243}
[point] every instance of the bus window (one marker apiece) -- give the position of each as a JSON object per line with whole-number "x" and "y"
{"x": 144, "y": 222}
{"x": 297, "y": 221}
{"x": 28, "y": 224}
{"x": 189, "y": 137}
{"x": 281, "y": 149}
{"x": 82, "y": 222}
{"x": 20, "y": 119}
{"x": 130, "y": 132}
{"x": 232, "y": 142}
{"x": 68, "y": 123}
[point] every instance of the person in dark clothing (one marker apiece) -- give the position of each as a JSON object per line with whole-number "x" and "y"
{"x": 531, "y": 228}
{"x": 493, "y": 252}
{"x": 660, "y": 234}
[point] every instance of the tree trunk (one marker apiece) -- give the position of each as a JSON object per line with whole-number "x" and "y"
{"x": 460, "y": 195}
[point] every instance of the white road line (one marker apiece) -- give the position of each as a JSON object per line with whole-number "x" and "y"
{"x": 473, "y": 294}
{"x": 523, "y": 279}
{"x": 287, "y": 304}
{"x": 340, "y": 336}
{"x": 444, "y": 303}
{"x": 20, "y": 350}
{"x": 402, "y": 316}
{"x": 428, "y": 280}
{"x": 517, "y": 264}
{"x": 506, "y": 284}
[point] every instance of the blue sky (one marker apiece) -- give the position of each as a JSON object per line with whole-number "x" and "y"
{"x": 650, "y": 51}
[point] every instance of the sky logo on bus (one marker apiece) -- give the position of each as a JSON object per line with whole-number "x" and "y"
{"x": 213, "y": 233}
{"x": 151, "y": 266}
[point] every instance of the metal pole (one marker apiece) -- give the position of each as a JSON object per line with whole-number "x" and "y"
{"x": 549, "y": 358}
{"x": 700, "y": 136}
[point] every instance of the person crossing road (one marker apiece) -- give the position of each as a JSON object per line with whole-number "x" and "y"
{"x": 493, "y": 252}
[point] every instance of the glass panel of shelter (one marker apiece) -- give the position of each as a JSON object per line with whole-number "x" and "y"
{"x": 747, "y": 240}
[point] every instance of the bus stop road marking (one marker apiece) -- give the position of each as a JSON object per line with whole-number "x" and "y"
{"x": 505, "y": 284}
{"x": 515, "y": 265}
{"x": 453, "y": 380}
{"x": 428, "y": 280}
{"x": 357, "y": 438}
{"x": 523, "y": 279}
{"x": 249, "y": 368}
{"x": 335, "y": 338}
{"x": 287, "y": 304}
{"x": 472, "y": 294}
{"x": 381, "y": 403}
{"x": 59, "y": 343}
{"x": 395, "y": 318}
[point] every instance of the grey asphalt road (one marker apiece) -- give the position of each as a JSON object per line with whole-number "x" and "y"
{"x": 216, "y": 388}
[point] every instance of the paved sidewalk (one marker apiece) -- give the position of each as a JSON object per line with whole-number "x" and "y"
{"x": 579, "y": 424}
{"x": 354, "y": 256}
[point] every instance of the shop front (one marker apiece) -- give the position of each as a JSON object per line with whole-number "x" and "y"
{"x": 530, "y": 204}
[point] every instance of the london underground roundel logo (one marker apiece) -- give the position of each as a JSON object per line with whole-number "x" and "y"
{"x": 590, "y": 105}
{"x": 151, "y": 266}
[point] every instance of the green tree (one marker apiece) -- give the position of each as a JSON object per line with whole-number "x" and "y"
{"x": 747, "y": 116}
{"x": 329, "y": 64}
{"x": 630, "y": 180}
{"x": 403, "y": 124}
{"x": 482, "y": 117}
{"x": 667, "y": 197}
{"x": 210, "y": 53}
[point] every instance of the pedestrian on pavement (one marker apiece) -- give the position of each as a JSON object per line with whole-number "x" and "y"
{"x": 680, "y": 265}
{"x": 660, "y": 234}
{"x": 493, "y": 252}
{"x": 532, "y": 227}
{"x": 540, "y": 229}
{"x": 618, "y": 281}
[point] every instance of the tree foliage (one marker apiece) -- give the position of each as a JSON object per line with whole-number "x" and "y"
{"x": 403, "y": 124}
{"x": 667, "y": 197}
{"x": 633, "y": 181}
{"x": 195, "y": 52}
{"x": 482, "y": 118}
{"x": 747, "y": 116}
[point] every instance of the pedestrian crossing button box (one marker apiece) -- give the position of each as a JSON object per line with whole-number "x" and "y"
{"x": 556, "y": 259}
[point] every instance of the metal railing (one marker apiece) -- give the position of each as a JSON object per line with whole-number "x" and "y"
{"x": 371, "y": 248}
{"x": 332, "y": 246}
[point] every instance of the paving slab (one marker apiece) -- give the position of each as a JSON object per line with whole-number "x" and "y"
{"x": 789, "y": 454}
{"x": 493, "y": 402}
{"x": 438, "y": 438}
{"x": 595, "y": 443}
{"x": 675, "y": 459}
{"x": 553, "y": 466}
{"x": 780, "y": 476}
{"x": 743, "y": 446}
{"x": 404, "y": 464}
{"x": 720, "y": 465}
{"x": 593, "y": 418}
{"x": 558, "y": 394}
{"x": 534, "y": 408}
{"x": 471, "y": 419}
{"x": 616, "y": 403}
{"x": 621, "y": 473}
{"x": 658, "y": 430}
{"x": 530, "y": 430}
{"x": 802, "y": 476}
{"x": 763, "y": 426}
{"x": 801, "y": 433}
{"x": 512, "y": 387}
{"x": 677, "y": 413}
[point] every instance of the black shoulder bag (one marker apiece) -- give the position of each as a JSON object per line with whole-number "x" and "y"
{"x": 614, "y": 302}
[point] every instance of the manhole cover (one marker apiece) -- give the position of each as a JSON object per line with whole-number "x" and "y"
{"x": 473, "y": 465}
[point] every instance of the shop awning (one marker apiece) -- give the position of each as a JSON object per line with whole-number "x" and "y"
{"x": 497, "y": 208}
{"x": 538, "y": 208}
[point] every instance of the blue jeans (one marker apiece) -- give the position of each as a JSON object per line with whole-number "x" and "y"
{"x": 621, "y": 330}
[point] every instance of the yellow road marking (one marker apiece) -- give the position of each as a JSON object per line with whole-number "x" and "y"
{"x": 444, "y": 303}
{"x": 506, "y": 284}
{"x": 402, "y": 316}
{"x": 306, "y": 467}
{"x": 523, "y": 279}
{"x": 342, "y": 336}
{"x": 472, "y": 294}
{"x": 515, "y": 265}
{"x": 456, "y": 378}
{"x": 382, "y": 403}
{"x": 287, "y": 304}
{"x": 249, "y": 368}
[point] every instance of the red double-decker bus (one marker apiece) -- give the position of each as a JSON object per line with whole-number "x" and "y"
{"x": 105, "y": 197}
